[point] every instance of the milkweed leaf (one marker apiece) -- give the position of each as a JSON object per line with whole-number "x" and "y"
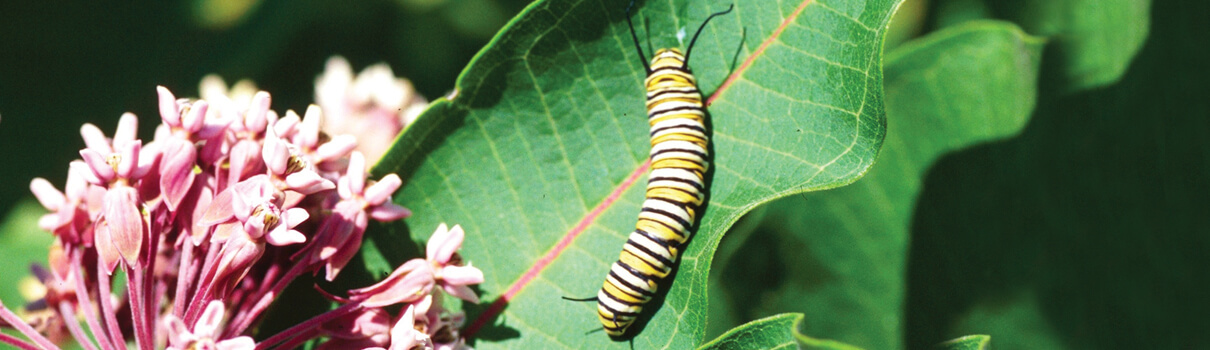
{"x": 540, "y": 152}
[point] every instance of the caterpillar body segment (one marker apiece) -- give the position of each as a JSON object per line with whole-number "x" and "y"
{"x": 680, "y": 158}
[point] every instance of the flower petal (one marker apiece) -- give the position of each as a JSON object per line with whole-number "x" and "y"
{"x": 168, "y": 108}
{"x": 404, "y": 335}
{"x": 276, "y": 154}
{"x": 208, "y": 323}
{"x": 223, "y": 232}
{"x": 195, "y": 120}
{"x": 462, "y": 292}
{"x": 357, "y": 173}
{"x": 444, "y": 243}
{"x": 361, "y": 324}
{"x": 307, "y": 181}
{"x": 176, "y": 171}
{"x": 282, "y": 236}
{"x": 129, "y": 162}
{"x": 77, "y": 186}
{"x": 287, "y": 126}
{"x": 235, "y": 258}
{"x": 84, "y": 170}
{"x": 125, "y": 222}
{"x": 128, "y": 127}
{"x": 335, "y": 148}
{"x": 461, "y": 275}
{"x": 106, "y": 251}
{"x": 389, "y": 212}
{"x": 245, "y": 160}
{"x": 47, "y": 194}
{"x": 295, "y": 216}
{"x": 381, "y": 191}
{"x": 178, "y": 333}
{"x": 94, "y": 139}
{"x": 257, "y": 117}
{"x": 308, "y": 132}
{"x": 198, "y": 231}
{"x": 220, "y": 209}
{"x": 410, "y": 282}
{"x": 212, "y": 127}
{"x": 98, "y": 166}
{"x": 237, "y": 343}
{"x": 344, "y": 242}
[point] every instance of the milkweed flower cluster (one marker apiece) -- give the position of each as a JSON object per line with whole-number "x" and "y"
{"x": 374, "y": 104}
{"x": 210, "y": 220}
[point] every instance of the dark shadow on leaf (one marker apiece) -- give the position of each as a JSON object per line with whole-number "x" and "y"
{"x": 1099, "y": 208}
{"x": 496, "y": 328}
{"x": 743, "y": 37}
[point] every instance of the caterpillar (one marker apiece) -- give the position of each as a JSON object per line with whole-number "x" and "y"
{"x": 675, "y": 186}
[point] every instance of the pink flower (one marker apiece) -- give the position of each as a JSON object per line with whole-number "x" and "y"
{"x": 365, "y": 329}
{"x": 257, "y": 205}
{"x": 304, "y": 136}
{"x": 187, "y": 119}
{"x": 238, "y": 254}
{"x": 297, "y": 172}
{"x": 184, "y": 122}
{"x": 245, "y": 133}
{"x": 227, "y": 103}
{"x": 121, "y": 231}
{"x": 116, "y": 160}
{"x": 205, "y": 333}
{"x": 255, "y": 119}
{"x": 69, "y": 216}
{"x": 404, "y": 335}
{"x": 441, "y": 326}
{"x": 374, "y": 106}
{"x": 340, "y": 236}
{"x": 375, "y": 199}
{"x": 447, "y": 269}
{"x": 410, "y": 282}
{"x": 196, "y": 217}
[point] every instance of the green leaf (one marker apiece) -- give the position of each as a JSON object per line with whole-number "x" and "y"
{"x": 21, "y": 243}
{"x": 1097, "y": 212}
{"x": 775, "y": 332}
{"x": 970, "y": 342}
{"x": 547, "y": 124}
{"x": 1017, "y": 320}
{"x": 1093, "y": 41}
{"x": 768, "y": 333}
{"x": 954, "y": 12}
{"x": 839, "y": 256}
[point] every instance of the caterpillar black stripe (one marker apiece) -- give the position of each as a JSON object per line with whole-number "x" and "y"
{"x": 679, "y": 160}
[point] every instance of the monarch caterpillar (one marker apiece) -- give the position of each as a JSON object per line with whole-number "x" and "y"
{"x": 675, "y": 188}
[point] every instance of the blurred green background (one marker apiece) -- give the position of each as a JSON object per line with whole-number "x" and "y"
{"x": 1086, "y": 230}
{"x": 65, "y": 63}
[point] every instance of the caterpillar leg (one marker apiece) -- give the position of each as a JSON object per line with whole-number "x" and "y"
{"x": 584, "y": 299}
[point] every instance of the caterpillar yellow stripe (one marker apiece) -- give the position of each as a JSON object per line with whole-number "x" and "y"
{"x": 675, "y": 187}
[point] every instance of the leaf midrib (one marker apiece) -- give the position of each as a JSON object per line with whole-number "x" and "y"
{"x": 522, "y": 281}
